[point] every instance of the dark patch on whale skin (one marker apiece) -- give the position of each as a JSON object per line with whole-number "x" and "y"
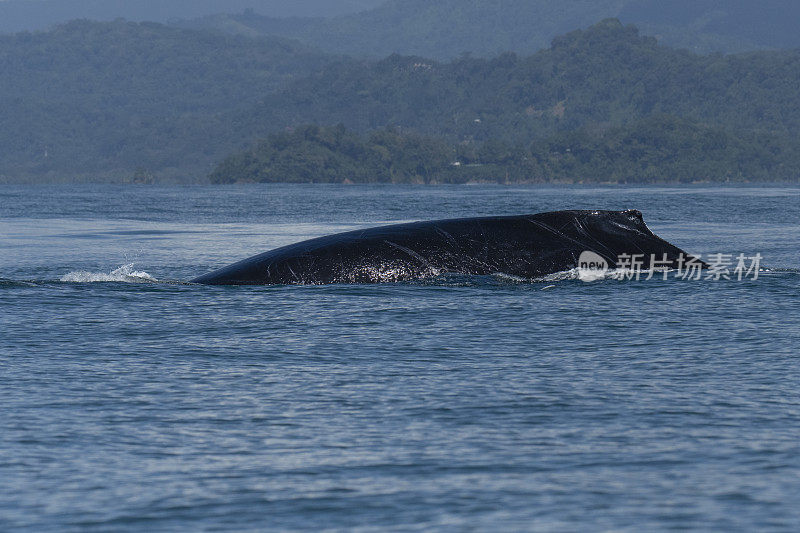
{"x": 527, "y": 246}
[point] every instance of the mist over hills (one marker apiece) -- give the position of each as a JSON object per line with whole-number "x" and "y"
{"x": 94, "y": 97}
{"x": 440, "y": 29}
{"x": 718, "y": 25}
{"x": 608, "y": 74}
{"x": 28, "y": 15}
{"x": 444, "y": 29}
{"x": 602, "y": 104}
{"x": 103, "y": 100}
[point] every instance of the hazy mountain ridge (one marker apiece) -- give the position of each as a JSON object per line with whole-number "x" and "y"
{"x": 735, "y": 25}
{"x": 603, "y": 104}
{"x": 106, "y": 99}
{"x": 445, "y": 29}
{"x": 92, "y": 97}
{"x": 29, "y": 15}
{"x": 607, "y": 75}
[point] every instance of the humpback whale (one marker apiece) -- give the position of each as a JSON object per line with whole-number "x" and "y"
{"x": 526, "y": 246}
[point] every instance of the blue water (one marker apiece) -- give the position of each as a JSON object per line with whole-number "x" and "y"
{"x": 132, "y": 401}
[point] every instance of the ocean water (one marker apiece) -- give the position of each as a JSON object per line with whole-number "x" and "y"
{"x": 134, "y": 401}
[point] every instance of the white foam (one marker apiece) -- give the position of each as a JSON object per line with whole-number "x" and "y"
{"x": 124, "y": 274}
{"x": 588, "y": 275}
{"x": 510, "y": 278}
{"x": 585, "y": 274}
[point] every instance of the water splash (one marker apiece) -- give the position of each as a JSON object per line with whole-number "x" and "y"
{"x": 124, "y": 274}
{"x": 586, "y": 275}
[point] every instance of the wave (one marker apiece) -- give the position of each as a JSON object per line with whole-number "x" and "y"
{"x": 590, "y": 275}
{"x": 574, "y": 274}
{"x": 12, "y": 283}
{"x": 124, "y": 274}
{"x": 127, "y": 274}
{"x": 586, "y": 275}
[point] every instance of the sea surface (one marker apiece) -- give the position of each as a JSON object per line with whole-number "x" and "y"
{"x": 133, "y": 401}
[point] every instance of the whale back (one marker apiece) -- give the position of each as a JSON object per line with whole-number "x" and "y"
{"x": 527, "y": 246}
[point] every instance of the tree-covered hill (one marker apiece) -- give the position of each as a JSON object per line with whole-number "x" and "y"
{"x": 658, "y": 149}
{"x": 604, "y": 76}
{"x": 601, "y": 104}
{"x": 104, "y": 100}
{"x": 445, "y": 29}
{"x": 92, "y": 97}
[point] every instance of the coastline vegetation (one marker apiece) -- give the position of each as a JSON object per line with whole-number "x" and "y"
{"x": 660, "y": 149}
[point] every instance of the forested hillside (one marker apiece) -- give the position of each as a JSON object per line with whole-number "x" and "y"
{"x": 445, "y": 29}
{"x": 90, "y": 98}
{"x": 604, "y": 76}
{"x": 105, "y": 100}
{"x": 659, "y": 149}
{"x": 602, "y": 104}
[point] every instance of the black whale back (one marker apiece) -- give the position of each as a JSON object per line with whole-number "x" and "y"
{"x": 527, "y": 246}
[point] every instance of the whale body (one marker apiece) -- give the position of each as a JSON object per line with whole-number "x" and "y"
{"x": 525, "y": 246}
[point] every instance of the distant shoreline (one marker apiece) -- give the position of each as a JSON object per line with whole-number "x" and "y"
{"x": 84, "y": 181}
